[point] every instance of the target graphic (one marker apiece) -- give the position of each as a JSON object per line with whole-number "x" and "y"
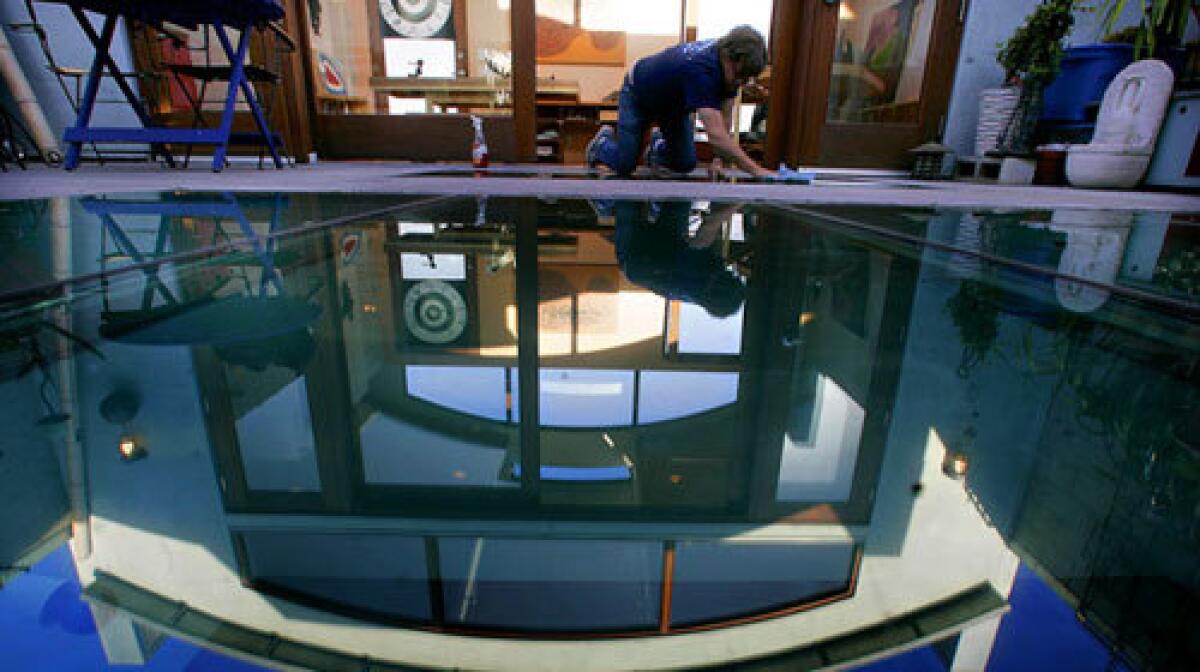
{"x": 418, "y": 18}
{"x": 435, "y": 312}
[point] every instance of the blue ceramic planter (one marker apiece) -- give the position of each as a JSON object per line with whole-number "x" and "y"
{"x": 1086, "y": 73}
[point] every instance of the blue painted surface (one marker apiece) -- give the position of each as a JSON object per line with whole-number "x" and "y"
{"x": 1085, "y": 73}
{"x": 1040, "y": 633}
{"x": 586, "y": 474}
{"x": 44, "y": 625}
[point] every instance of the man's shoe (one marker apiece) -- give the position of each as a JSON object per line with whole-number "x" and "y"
{"x": 593, "y": 148}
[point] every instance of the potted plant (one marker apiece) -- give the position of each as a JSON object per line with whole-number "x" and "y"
{"x": 1159, "y": 33}
{"x": 1031, "y": 58}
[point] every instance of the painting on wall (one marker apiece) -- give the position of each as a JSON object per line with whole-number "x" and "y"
{"x": 887, "y": 44}
{"x": 560, "y": 43}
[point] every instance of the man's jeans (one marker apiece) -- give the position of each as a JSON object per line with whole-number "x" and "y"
{"x": 622, "y": 153}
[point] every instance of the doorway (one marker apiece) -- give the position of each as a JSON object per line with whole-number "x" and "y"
{"x": 860, "y": 82}
{"x": 852, "y": 83}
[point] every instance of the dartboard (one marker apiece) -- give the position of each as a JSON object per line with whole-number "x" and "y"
{"x": 435, "y": 312}
{"x": 417, "y": 18}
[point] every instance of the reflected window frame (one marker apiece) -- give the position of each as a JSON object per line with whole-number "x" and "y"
{"x": 441, "y": 622}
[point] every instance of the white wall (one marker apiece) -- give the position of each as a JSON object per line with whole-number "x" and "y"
{"x": 71, "y": 49}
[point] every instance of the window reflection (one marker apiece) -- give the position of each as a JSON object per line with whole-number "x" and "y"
{"x": 703, "y": 334}
{"x": 551, "y": 584}
{"x": 819, "y": 454}
{"x": 276, "y": 442}
{"x": 715, "y": 580}
{"x": 395, "y": 452}
{"x": 374, "y": 575}
{"x": 585, "y": 397}
{"x": 669, "y": 395}
{"x": 475, "y": 390}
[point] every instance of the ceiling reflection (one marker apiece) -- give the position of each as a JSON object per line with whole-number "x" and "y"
{"x": 553, "y": 426}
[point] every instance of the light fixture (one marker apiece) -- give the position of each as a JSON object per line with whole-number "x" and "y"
{"x": 120, "y": 407}
{"x": 846, "y": 12}
{"x": 130, "y": 449}
{"x": 955, "y": 464}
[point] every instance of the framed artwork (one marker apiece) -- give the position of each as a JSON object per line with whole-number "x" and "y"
{"x": 561, "y": 43}
{"x": 887, "y": 43}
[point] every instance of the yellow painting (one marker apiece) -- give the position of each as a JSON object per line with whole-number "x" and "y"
{"x": 560, "y": 43}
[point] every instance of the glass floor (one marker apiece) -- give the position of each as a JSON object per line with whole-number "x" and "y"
{"x": 396, "y": 432}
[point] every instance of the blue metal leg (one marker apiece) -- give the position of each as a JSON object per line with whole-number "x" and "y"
{"x": 251, "y": 97}
{"x": 268, "y": 136}
{"x": 88, "y": 102}
{"x": 236, "y": 77}
{"x": 265, "y": 256}
{"x": 106, "y": 60}
{"x": 126, "y": 245}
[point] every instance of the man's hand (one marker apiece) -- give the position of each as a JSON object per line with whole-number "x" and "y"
{"x": 723, "y": 144}
{"x": 716, "y": 169}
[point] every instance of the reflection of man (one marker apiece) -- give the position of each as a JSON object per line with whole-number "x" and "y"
{"x": 655, "y": 252}
{"x": 667, "y": 88}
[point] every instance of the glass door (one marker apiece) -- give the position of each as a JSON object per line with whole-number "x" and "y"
{"x": 402, "y": 78}
{"x": 865, "y": 80}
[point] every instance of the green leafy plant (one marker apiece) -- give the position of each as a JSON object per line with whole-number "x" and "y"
{"x": 1127, "y": 35}
{"x": 1180, "y": 272}
{"x": 1031, "y": 58}
{"x": 1033, "y": 53}
{"x": 1163, "y": 22}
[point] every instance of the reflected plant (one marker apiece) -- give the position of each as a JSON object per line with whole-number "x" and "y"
{"x": 1163, "y": 23}
{"x": 20, "y": 338}
{"x": 975, "y": 309}
{"x": 1180, "y": 271}
{"x": 1141, "y": 403}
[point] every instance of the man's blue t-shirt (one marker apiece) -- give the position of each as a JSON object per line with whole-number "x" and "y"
{"x": 680, "y": 80}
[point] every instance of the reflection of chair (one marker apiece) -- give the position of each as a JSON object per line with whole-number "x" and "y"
{"x": 277, "y": 46}
{"x": 252, "y": 315}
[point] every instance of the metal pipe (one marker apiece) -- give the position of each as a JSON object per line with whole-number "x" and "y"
{"x": 31, "y": 110}
{"x": 68, "y": 384}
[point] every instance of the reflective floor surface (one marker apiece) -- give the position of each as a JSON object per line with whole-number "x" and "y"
{"x": 380, "y": 432}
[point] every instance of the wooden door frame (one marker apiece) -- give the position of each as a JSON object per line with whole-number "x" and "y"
{"x": 297, "y": 82}
{"x": 803, "y": 36}
{"x": 524, "y": 47}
